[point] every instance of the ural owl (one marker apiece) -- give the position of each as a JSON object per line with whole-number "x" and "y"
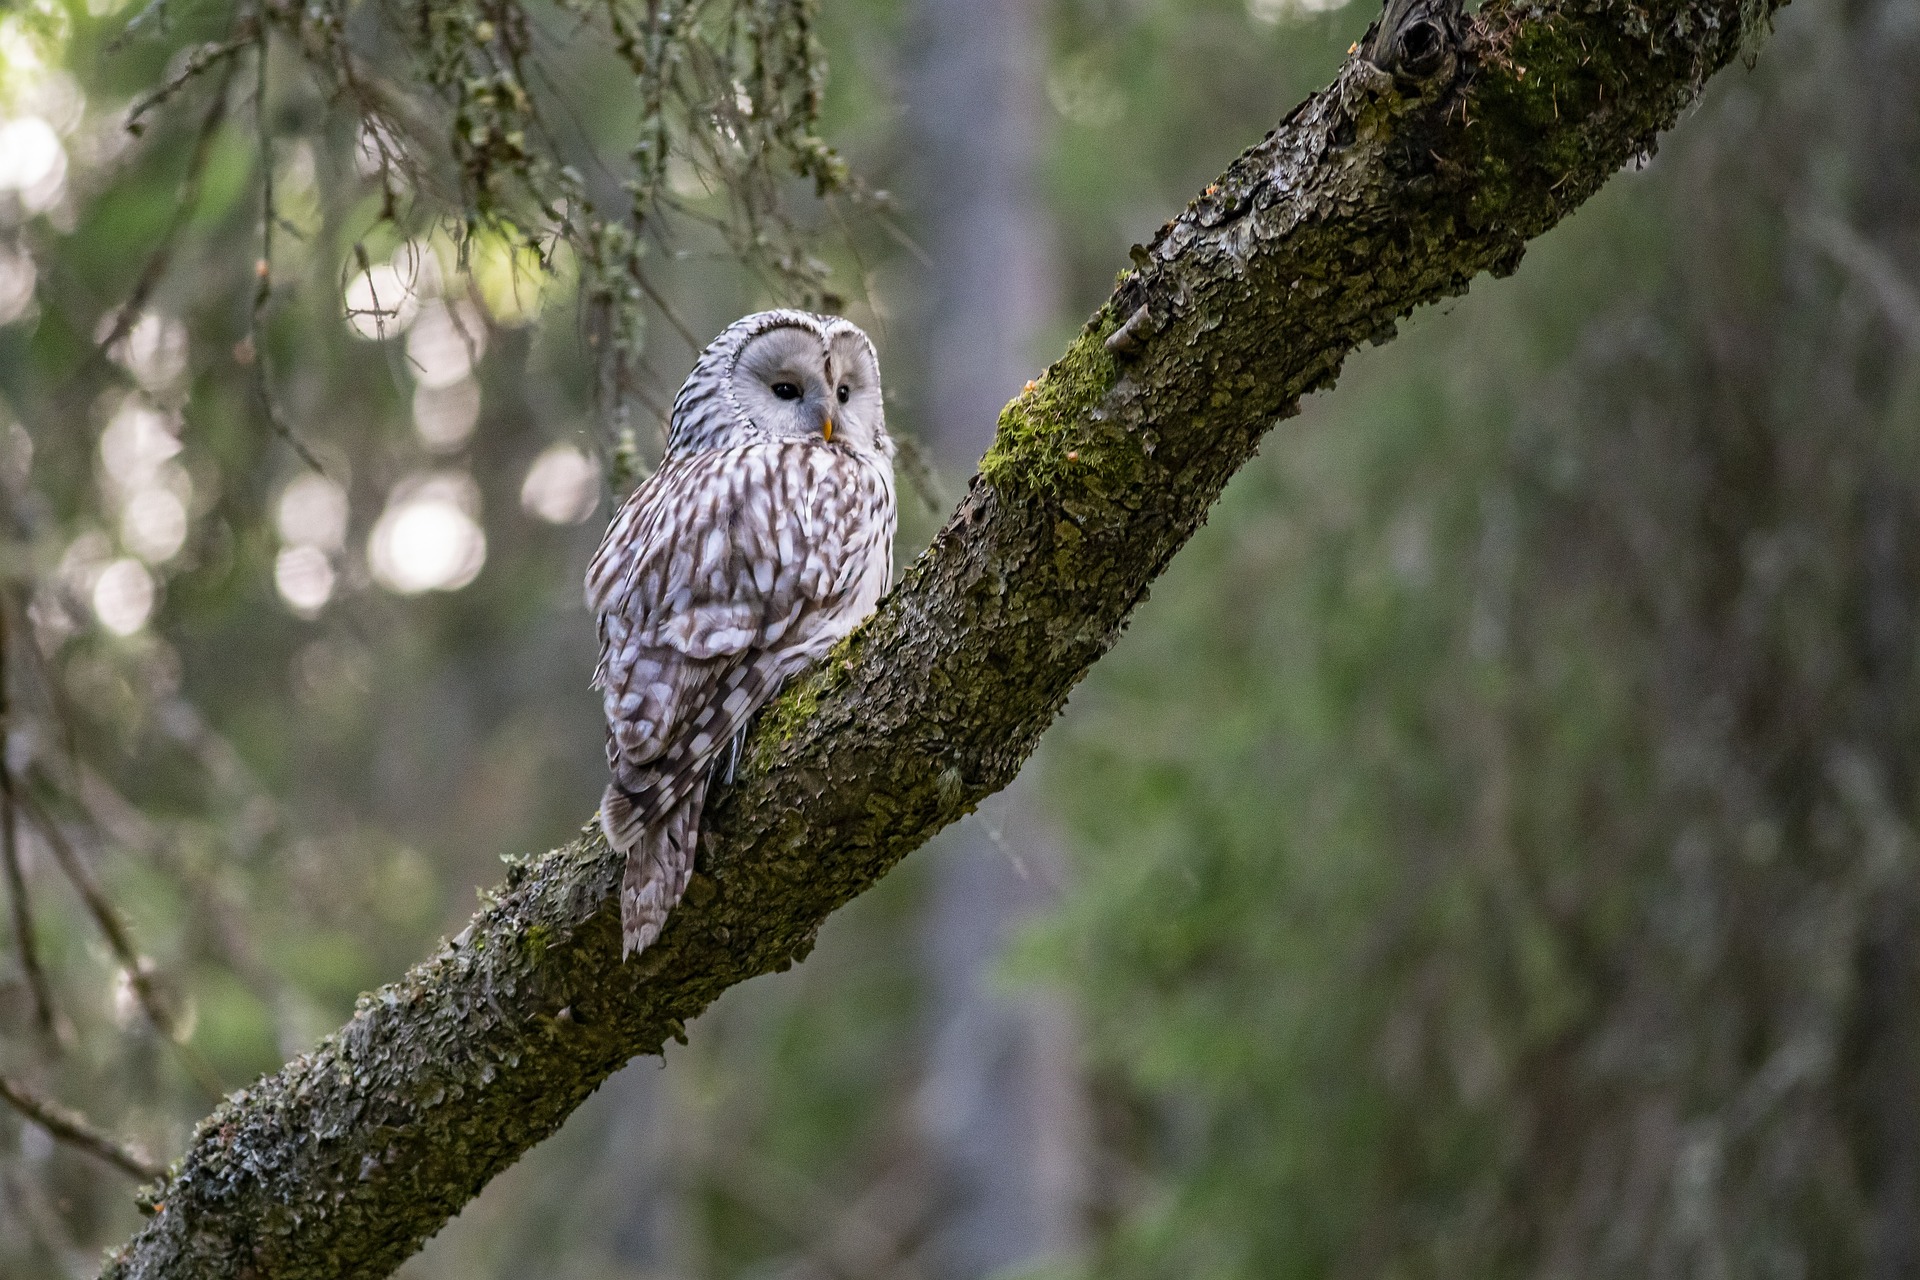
{"x": 764, "y": 537}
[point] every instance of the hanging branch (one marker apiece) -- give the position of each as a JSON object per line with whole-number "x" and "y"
{"x": 255, "y": 342}
{"x": 74, "y": 1129}
{"x": 120, "y": 939}
{"x": 25, "y": 940}
{"x": 189, "y": 200}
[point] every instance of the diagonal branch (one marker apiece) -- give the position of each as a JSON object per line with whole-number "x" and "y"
{"x": 107, "y": 918}
{"x": 1439, "y": 150}
{"x": 67, "y": 1125}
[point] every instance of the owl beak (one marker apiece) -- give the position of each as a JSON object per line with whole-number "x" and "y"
{"x": 826, "y": 429}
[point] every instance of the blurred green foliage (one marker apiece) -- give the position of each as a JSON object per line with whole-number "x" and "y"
{"x": 1496, "y": 834}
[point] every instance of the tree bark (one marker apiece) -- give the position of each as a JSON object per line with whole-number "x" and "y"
{"x": 1440, "y": 149}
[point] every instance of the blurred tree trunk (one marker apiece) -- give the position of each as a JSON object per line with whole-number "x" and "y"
{"x": 1436, "y": 155}
{"x": 1000, "y": 1102}
{"x": 1886, "y": 1017}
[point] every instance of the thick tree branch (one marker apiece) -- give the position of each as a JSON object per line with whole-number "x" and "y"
{"x": 1443, "y": 146}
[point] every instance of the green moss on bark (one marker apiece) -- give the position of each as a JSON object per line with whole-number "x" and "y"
{"x": 1043, "y": 441}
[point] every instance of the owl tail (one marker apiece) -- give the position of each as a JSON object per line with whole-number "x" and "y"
{"x": 659, "y": 861}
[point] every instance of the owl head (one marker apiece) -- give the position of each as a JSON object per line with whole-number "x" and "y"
{"x": 783, "y": 375}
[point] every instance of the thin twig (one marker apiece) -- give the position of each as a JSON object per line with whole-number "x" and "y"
{"x": 922, "y": 478}
{"x": 263, "y": 269}
{"x": 120, "y": 940}
{"x": 23, "y": 931}
{"x": 111, "y": 925}
{"x": 59, "y": 706}
{"x": 111, "y": 816}
{"x": 203, "y": 60}
{"x": 1870, "y": 265}
{"x": 154, "y": 8}
{"x": 899, "y": 234}
{"x": 156, "y": 265}
{"x": 74, "y": 1129}
{"x": 666, "y": 309}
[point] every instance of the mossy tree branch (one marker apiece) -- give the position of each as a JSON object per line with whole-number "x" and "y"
{"x": 1442, "y": 147}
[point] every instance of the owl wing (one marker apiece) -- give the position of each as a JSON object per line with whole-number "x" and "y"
{"x": 719, "y": 553}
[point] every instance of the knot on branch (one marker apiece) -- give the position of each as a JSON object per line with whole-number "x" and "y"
{"x": 1127, "y": 342}
{"x": 1417, "y": 41}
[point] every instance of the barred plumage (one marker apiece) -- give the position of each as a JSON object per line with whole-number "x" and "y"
{"x": 765, "y": 536}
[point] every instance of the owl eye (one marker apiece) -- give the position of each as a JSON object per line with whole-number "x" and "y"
{"x": 843, "y": 393}
{"x": 786, "y": 390}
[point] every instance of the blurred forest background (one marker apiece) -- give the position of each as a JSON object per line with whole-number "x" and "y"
{"x": 1491, "y": 852}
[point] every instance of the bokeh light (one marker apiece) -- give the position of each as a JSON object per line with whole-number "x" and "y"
{"x": 562, "y": 486}
{"x": 123, "y": 596}
{"x": 445, "y": 416}
{"x": 153, "y": 524}
{"x": 33, "y": 164}
{"x": 55, "y": 96}
{"x": 383, "y": 300}
{"x": 1274, "y": 12}
{"x": 304, "y": 578}
{"x": 17, "y": 278}
{"x": 138, "y": 440}
{"x": 444, "y": 343}
{"x": 312, "y": 512}
{"x": 153, "y": 349}
{"x": 429, "y": 537}
{"x": 82, "y": 563}
{"x": 311, "y": 517}
{"x": 16, "y": 454}
{"x": 512, "y": 280}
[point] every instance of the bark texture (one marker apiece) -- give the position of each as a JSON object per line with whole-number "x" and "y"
{"x": 1443, "y": 146}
